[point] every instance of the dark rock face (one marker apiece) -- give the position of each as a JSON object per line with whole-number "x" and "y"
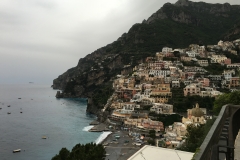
{"x": 59, "y": 95}
{"x": 174, "y": 25}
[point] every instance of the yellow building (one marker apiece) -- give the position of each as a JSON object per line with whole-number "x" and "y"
{"x": 195, "y": 116}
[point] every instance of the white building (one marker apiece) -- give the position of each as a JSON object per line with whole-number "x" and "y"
{"x": 159, "y": 73}
{"x": 162, "y": 108}
{"x": 129, "y": 106}
{"x": 203, "y": 62}
{"x": 233, "y": 65}
{"x": 175, "y": 84}
{"x": 166, "y": 50}
{"x": 192, "y": 54}
{"x": 228, "y": 74}
{"x": 218, "y": 58}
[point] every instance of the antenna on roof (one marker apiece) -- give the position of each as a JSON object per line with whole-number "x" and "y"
{"x": 142, "y": 155}
{"x": 177, "y": 154}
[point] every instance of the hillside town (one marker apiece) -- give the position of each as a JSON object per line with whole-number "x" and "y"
{"x": 147, "y": 92}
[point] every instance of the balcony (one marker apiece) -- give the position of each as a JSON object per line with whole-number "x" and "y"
{"x": 219, "y": 142}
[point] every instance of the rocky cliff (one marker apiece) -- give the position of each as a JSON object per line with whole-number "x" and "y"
{"x": 174, "y": 25}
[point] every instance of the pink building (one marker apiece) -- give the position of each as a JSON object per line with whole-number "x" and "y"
{"x": 204, "y": 81}
{"x": 227, "y": 61}
{"x": 153, "y": 125}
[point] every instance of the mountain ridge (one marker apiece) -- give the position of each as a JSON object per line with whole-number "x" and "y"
{"x": 174, "y": 25}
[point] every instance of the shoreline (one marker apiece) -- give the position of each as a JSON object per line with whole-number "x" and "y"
{"x": 106, "y": 138}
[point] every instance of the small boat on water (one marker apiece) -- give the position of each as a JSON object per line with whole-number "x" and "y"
{"x": 44, "y": 137}
{"x": 9, "y": 105}
{"x": 9, "y": 112}
{"x": 16, "y": 150}
{"x": 19, "y": 98}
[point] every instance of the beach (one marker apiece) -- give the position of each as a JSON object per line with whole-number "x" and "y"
{"x": 118, "y": 143}
{"x": 121, "y": 148}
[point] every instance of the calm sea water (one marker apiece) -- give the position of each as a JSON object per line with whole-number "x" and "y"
{"x": 62, "y": 121}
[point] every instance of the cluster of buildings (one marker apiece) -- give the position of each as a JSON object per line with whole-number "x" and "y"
{"x": 149, "y": 88}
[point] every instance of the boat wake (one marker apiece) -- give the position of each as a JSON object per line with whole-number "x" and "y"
{"x": 102, "y": 137}
{"x": 87, "y": 128}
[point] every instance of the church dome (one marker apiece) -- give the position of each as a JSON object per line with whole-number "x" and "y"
{"x": 197, "y": 112}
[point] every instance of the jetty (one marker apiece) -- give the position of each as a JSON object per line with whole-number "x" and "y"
{"x": 99, "y": 128}
{"x": 94, "y": 122}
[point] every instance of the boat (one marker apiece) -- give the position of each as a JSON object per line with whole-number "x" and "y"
{"x": 19, "y": 98}
{"x": 16, "y": 150}
{"x": 9, "y": 106}
{"x": 9, "y": 112}
{"x": 44, "y": 137}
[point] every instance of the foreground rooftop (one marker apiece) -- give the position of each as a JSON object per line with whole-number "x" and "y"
{"x": 156, "y": 153}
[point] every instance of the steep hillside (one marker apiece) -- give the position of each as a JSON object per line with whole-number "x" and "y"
{"x": 174, "y": 25}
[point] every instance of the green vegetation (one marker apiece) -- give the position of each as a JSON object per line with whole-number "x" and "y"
{"x": 182, "y": 103}
{"x": 196, "y": 135}
{"x": 227, "y": 98}
{"x": 151, "y": 142}
{"x": 215, "y": 68}
{"x": 152, "y": 135}
{"x": 70, "y": 87}
{"x": 166, "y": 119}
{"x": 234, "y": 58}
{"x": 89, "y": 151}
{"x": 102, "y": 94}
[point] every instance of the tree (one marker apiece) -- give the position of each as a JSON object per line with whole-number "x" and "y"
{"x": 88, "y": 151}
{"x": 63, "y": 155}
{"x": 227, "y": 98}
{"x": 169, "y": 119}
{"x": 152, "y": 134}
{"x": 196, "y": 135}
{"x": 194, "y": 138}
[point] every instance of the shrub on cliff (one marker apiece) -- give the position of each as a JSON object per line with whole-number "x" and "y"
{"x": 101, "y": 95}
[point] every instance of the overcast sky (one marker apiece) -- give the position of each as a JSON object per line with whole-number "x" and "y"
{"x": 41, "y": 39}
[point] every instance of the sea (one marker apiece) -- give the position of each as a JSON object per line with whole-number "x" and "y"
{"x": 64, "y": 122}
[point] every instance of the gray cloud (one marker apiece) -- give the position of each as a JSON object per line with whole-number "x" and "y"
{"x": 41, "y": 39}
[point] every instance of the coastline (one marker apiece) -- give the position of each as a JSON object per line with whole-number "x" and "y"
{"x": 103, "y": 137}
{"x": 96, "y": 126}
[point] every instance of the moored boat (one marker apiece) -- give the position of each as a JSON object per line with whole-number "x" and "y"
{"x": 16, "y": 150}
{"x": 9, "y": 112}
